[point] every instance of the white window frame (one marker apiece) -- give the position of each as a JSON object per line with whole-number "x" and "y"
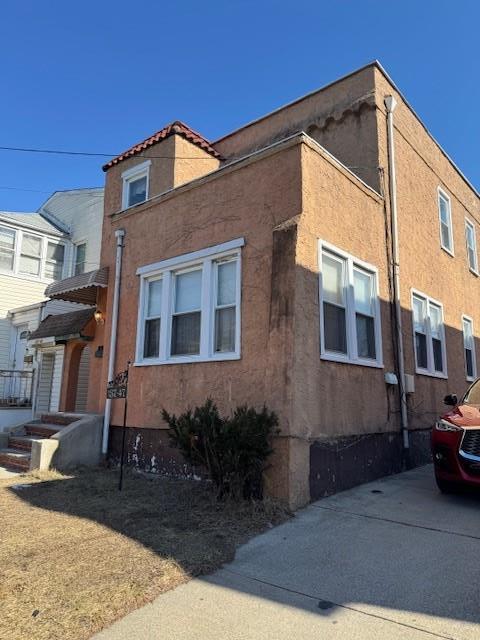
{"x": 469, "y": 225}
{"x": 77, "y": 244}
{"x": 166, "y": 270}
{"x": 131, "y": 175}
{"x": 351, "y": 357}
{"x": 43, "y": 255}
{"x": 430, "y": 370}
{"x": 441, "y": 194}
{"x": 468, "y": 319}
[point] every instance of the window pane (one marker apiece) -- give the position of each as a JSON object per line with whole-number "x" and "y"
{"x": 28, "y": 265}
{"x": 137, "y": 191}
{"x": 332, "y": 279}
{"x": 362, "y": 288}
{"x": 365, "y": 336}
{"x": 469, "y": 363}
{"x": 435, "y": 321}
{"x": 472, "y": 259}
{"x": 187, "y": 291}
{"x": 226, "y": 283}
{"x": 419, "y": 314}
{"x": 437, "y": 354}
{"x": 444, "y": 211}
{"x": 421, "y": 350}
{"x": 55, "y": 251}
{"x": 7, "y": 238}
{"x": 467, "y": 334}
{"x": 31, "y": 245}
{"x": 225, "y": 329}
{"x": 334, "y": 328}
{"x": 154, "y": 298}
{"x": 80, "y": 254}
{"x": 6, "y": 260}
{"x": 53, "y": 270}
{"x": 186, "y": 334}
{"x": 445, "y": 236}
{"x": 152, "y": 338}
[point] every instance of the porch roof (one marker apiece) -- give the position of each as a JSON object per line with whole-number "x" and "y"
{"x": 64, "y": 325}
{"x": 81, "y": 288}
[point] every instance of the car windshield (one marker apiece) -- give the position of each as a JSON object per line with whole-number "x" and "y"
{"x": 473, "y": 394}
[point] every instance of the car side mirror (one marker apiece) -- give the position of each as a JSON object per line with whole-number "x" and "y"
{"x": 451, "y": 400}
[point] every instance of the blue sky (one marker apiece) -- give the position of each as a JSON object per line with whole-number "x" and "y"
{"x": 101, "y": 75}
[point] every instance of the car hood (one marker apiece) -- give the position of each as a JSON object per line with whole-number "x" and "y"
{"x": 464, "y": 415}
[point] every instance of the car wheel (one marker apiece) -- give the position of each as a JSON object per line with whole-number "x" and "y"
{"x": 446, "y": 486}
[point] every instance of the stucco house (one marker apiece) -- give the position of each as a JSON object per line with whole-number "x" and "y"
{"x": 61, "y": 239}
{"x": 321, "y": 260}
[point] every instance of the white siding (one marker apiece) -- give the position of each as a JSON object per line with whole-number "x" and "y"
{"x": 45, "y": 382}
{"x": 57, "y": 379}
{"x": 82, "y": 385}
{"x": 15, "y": 292}
{"x": 81, "y": 213}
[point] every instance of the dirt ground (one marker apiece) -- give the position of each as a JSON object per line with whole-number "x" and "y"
{"x": 76, "y": 554}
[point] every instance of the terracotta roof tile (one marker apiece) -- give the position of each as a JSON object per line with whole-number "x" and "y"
{"x": 175, "y": 127}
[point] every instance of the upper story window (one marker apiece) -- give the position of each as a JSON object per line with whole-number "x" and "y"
{"x": 27, "y": 254}
{"x": 349, "y": 309}
{"x": 189, "y": 307}
{"x": 30, "y": 255}
{"x": 470, "y": 238}
{"x": 7, "y": 248}
{"x": 80, "y": 255}
{"x": 135, "y": 185}
{"x": 429, "y": 336}
{"x": 54, "y": 261}
{"x": 445, "y": 217}
{"x": 469, "y": 349}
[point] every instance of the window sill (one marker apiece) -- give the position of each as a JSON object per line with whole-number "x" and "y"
{"x": 431, "y": 374}
{"x": 224, "y": 357}
{"x": 333, "y": 357}
{"x": 449, "y": 251}
{"x": 471, "y": 379}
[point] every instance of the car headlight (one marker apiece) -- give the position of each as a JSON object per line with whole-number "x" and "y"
{"x": 444, "y": 425}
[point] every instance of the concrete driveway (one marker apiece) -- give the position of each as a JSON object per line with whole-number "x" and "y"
{"x": 388, "y": 560}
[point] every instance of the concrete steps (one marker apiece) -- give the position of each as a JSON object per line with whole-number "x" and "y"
{"x": 17, "y": 454}
{"x": 15, "y": 459}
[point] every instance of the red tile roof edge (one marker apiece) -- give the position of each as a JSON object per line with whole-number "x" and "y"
{"x": 177, "y": 127}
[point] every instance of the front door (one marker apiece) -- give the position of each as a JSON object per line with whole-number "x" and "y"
{"x": 20, "y": 346}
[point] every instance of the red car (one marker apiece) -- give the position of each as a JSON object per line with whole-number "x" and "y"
{"x": 456, "y": 442}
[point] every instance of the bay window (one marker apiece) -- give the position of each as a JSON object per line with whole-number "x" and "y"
{"x": 7, "y": 248}
{"x": 30, "y": 255}
{"x": 349, "y": 308}
{"x": 429, "y": 336}
{"x": 190, "y": 307}
{"x": 54, "y": 261}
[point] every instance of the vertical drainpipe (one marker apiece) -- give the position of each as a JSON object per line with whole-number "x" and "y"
{"x": 119, "y": 235}
{"x": 390, "y": 104}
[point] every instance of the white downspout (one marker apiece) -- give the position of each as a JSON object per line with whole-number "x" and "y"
{"x": 119, "y": 235}
{"x": 390, "y": 104}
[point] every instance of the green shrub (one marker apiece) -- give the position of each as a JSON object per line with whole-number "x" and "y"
{"x": 234, "y": 450}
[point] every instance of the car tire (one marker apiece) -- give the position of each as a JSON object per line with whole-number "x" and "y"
{"x": 445, "y": 486}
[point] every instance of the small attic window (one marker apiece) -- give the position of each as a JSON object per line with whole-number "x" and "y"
{"x": 135, "y": 185}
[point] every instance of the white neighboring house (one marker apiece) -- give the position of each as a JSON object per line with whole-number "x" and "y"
{"x": 60, "y": 240}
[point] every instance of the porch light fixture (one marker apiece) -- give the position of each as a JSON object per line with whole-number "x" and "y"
{"x": 98, "y": 315}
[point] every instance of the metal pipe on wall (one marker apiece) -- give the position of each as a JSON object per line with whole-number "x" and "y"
{"x": 390, "y": 104}
{"x": 119, "y": 235}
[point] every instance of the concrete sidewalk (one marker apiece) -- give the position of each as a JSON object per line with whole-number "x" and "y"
{"x": 392, "y": 559}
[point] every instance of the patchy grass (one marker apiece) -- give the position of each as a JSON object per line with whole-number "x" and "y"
{"x": 76, "y": 554}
